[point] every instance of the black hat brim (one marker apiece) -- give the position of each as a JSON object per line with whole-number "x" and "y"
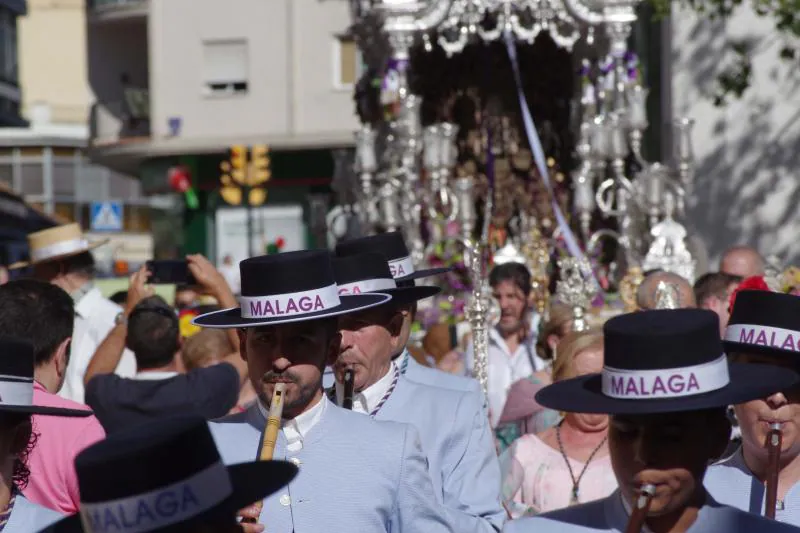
{"x": 428, "y": 272}
{"x": 406, "y": 295}
{"x": 251, "y": 482}
{"x": 747, "y": 382}
{"x": 45, "y": 411}
{"x": 232, "y": 318}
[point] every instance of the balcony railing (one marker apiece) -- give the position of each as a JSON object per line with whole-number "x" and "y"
{"x": 123, "y": 121}
{"x": 119, "y": 7}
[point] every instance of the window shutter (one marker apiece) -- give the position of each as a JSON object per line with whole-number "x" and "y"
{"x": 225, "y": 61}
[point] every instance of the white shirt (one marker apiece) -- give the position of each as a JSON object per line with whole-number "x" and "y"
{"x": 298, "y": 427}
{"x": 94, "y": 319}
{"x": 367, "y": 400}
{"x": 504, "y": 368}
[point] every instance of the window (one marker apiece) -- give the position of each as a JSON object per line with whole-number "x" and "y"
{"x": 225, "y": 67}
{"x": 8, "y": 46}
{"x": 348, "y": 64}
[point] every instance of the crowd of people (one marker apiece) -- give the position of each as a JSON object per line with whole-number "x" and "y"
{"x": 126, "y": 416}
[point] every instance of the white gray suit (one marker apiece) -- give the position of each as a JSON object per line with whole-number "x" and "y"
{"x": 356, "y": 474}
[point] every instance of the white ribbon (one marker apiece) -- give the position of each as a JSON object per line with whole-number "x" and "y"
{"x": 401, "y": 267}
{"x": 291, "y": 304}
{"x": 367, "y": 285}
{"x": 16, "y": 392}
{"x": 538, "y": 153}
{"x": 667, "y": 382}
{"x": 160, "y": 508}
{"x": 59, "y": 248}
{"x": 769, "y": 337}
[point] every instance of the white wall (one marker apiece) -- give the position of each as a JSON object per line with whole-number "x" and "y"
{"x": 748, "y": 153}
{"x": 291, "y": 68}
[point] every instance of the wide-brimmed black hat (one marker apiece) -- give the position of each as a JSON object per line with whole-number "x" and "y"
{"x": 16, "y": 381}
{"x": 391, "y": 245}
{"x": 288, "y": 287}
{"x": 369, "y": 272}
{"x": 165, "y": 475}
{"x": 664, "y": 361}
{"x": 764, "y": 322}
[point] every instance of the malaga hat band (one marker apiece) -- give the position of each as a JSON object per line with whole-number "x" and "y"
{"x": 401, "y": 267}
{"x": 162, "y": 507}
{"x": 766, "y": 336}
{"x": 291, "y": 304}
{"x": 367, "y": 285}
{"x": 665, "y": 383}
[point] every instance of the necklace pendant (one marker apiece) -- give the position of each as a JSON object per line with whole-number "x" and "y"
{"x": 574, "y": 499}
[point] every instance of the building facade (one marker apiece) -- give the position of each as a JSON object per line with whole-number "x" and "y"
{"x": 43, "y": 156}
{"x": 177, "y": 82}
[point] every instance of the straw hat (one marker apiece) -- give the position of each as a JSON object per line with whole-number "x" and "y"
{"x": 57, "y": 243}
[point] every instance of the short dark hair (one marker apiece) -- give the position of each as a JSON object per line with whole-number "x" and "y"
{"x": 39, "y": 313}
{"x": 82, "y": 263}
{"x": 714, "y": 284}
{"x": 516, "y": 273}
{"x": 153, "y": 333}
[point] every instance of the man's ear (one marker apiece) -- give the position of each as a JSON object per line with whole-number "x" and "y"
{"x": 334, "y": 346}
{"x": 242, "y": 342}
{"x": 62, "y": 356}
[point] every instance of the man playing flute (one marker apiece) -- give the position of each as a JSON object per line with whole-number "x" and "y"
{"x": 666, "y": 384}
{"x": 392, "y": 245}
{"x": 764, "y": 328}
{"x": 452, "y": 424}
{"x": 356, "y": 474}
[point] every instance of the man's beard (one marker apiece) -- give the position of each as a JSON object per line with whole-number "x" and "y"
{"x": 305, "y": 393}
{"x": 510, "y": 329}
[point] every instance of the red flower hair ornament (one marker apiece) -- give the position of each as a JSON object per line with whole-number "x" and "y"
{"x": 754, "y": 283}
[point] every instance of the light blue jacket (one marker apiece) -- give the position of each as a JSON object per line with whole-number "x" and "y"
{"x": 356, "y": 475}
{"x": 461, "y": 457}
{"x": 608, "y": 515}
{"x": 434, "y": 377}
{"x": 28, "y": 517}
{"x": 731, "y": 482}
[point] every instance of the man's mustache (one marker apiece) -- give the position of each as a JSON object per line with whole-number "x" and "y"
{"x": 279, "y": 377}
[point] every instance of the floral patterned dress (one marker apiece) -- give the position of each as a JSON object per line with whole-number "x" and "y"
{"x": 536, "y": 478}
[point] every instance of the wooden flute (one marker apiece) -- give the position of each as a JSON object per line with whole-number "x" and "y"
{"x": 774, "y": 444}
{"x": 270, "y": 436}
{"x": 349, "y": 384}
{"x": 640, "y": 510}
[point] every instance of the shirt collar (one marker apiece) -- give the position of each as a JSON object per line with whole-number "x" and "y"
{"x": 296, "y": 429}
{"x": 85, "y": 299}
{"x": 153, "y": 376}
{"x": 366, "y": 400}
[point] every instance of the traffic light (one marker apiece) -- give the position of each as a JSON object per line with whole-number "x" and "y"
{"x": 260, "y": 172}
{"x": 238, "y": 162}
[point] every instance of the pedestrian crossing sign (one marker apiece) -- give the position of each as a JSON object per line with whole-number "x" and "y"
{"x": 106, "y": 216}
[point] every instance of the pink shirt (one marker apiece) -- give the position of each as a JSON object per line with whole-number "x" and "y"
{"x": 54, "y": 482}
{"x": 536, "y": 478}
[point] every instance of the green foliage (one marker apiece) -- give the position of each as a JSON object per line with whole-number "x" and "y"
{"x": 735, "y": 79}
